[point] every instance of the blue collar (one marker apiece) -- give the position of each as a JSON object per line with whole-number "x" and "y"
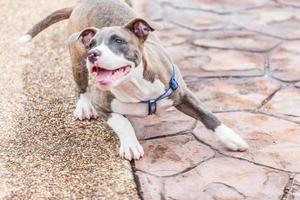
{"x": 173, "y": 85}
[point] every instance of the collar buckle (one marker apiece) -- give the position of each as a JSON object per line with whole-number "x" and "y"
{"x": 151, "y": 107}
{"x": 173, "y": 84}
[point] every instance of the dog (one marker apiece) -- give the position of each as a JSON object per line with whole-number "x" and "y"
{"x": 132, "y": 72}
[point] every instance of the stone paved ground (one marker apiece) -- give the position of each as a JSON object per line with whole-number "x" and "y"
{"x": 242, "y": 59}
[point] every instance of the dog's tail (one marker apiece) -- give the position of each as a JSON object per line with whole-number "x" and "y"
{"x": 54, "y": 17}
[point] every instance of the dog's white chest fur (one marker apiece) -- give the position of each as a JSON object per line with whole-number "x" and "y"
{"x": 138, "y": 89}
{"x": 130, "y": 93}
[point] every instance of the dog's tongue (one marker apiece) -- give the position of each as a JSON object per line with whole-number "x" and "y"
{"x": 104, "y": 76}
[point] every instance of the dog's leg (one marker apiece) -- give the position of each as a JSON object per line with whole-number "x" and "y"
{"x": 84, "y": 108}
{"x": 130, "y": 147}
{"x": 191, "y": 106}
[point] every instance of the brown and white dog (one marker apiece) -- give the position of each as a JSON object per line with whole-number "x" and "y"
{"x": 130, "y": 65}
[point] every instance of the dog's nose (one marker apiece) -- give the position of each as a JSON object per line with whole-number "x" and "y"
{"x": 93, "y": 54}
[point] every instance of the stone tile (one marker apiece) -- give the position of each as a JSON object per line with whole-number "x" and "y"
{"x": 234, "y": 94}
{"x": 226, "y": 178}
{"x": 295, "y": 3}
{"x": 296, "y": 188}
{"x": 217, "y": 6}
{"x": 200, "y": 62}
{"x": 236, "y": 39}
{"x": 285, "y": 103}
{"x": 178, "y": 35}
{"x": 295, "y": 192}
{"x": 284, "y": 62}
{"x": 168, "y": 123}
{"x": 297, "y": 179}
{"x": 171, "y": 155}
{"x": 148, "y": 9}
{"x": 151, "y": 186}
{"x": 273, "y": 20}
{"x": 273, "y": 142}
{"x": 194, "y": 19}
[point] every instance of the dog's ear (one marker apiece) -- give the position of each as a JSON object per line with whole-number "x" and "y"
{"x": 140, "y": 27}
{"x": 84, "y": 36}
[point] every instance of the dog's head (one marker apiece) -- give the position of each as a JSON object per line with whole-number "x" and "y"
{"x": 114, "y": 53}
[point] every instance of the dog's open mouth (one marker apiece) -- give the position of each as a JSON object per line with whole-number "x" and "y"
{"x": 105, "y": 76}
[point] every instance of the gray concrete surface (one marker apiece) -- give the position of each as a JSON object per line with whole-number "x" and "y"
{"x": 44, "y": 152}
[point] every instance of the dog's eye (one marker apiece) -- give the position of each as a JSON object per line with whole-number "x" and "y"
{"x": 119, "y": 41}
{"x": 91, "y": 44}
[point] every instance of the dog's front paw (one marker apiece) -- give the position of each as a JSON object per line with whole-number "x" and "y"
{"x": 131, "y": 150}
{"x": 230, "y": 139}
{"x": 84, "y": 108}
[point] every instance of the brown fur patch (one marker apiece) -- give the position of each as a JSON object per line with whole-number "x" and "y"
{"x": 54, "y": 17}
{"x": 148, "y": 74}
